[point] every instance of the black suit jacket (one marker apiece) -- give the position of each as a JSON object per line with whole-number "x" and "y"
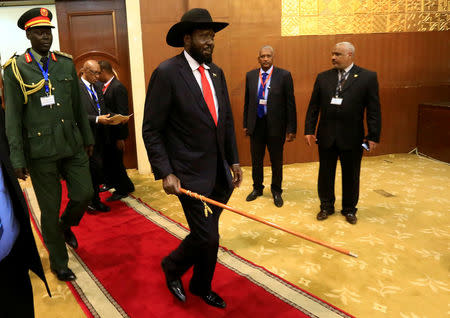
{"x": 30, "y": 255}
{"x": 281, "y": 110}
{"x": 179, "y": 132}
{"x": 116, "y": 100}
{"x": 98, "y": 130}
{"x": 345, "y": 123}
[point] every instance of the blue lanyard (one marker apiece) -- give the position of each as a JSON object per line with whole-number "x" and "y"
{"x": 44, "y": 72}
{"x": 94, "y": 97}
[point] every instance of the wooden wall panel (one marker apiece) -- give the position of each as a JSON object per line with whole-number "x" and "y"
{"x": 412, "y": 67}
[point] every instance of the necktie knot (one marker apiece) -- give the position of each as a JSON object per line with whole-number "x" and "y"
{"x": 201, "y": 69}
{"x": 264, "y": 76}
{"x": 44, "y": 60}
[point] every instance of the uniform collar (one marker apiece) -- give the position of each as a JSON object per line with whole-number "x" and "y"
{"x": 37, "y": 56}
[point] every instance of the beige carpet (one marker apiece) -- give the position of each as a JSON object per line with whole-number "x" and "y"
{"x": 402, "y": 238}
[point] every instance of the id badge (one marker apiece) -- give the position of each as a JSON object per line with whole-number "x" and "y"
{"x": 48, "y": 100}
{"x": 263, "y": 102}
{"x": 336, "y": 101}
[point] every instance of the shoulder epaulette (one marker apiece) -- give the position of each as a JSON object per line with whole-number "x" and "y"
{"x": 63, "y": 54}
{"x": 28, "y": 58}
{"x": 10, "y": 60}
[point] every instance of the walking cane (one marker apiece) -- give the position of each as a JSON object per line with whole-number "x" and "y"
{"x": 255, "y": 218}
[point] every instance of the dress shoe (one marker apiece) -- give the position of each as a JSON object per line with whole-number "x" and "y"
{"x": 105, "y": 188}
{"x": 98, "y": 207}
{"x": 254, "y": 194}
{"x": 65, "y": 275}
{"x": 116, "y": 197}
{"x": 351, "y": 218}
{"x": 277, "y": 199}
{"x": 323, "y": 214}
{"x": 175, "y": 286}
{"x": 215, "y": 300}
{"x": 70, "y": 238}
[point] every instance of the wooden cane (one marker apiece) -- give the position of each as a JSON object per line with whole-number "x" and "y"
{"x": 255, "y": 218}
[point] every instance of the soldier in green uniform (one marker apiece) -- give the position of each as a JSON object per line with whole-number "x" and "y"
{"x": 49, "y": 134}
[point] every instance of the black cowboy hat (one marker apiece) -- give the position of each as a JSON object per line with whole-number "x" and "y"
{"x": 196, "y": 18}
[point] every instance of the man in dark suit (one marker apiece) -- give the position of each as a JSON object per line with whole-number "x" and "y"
{"x": 116, "y": 100}
{"x": 341, "y": 95}
{"x": 188, "y": 132}
{"x": 99, "y": 117}
{"x": 18, "y": 252}
{"x": 269, "y": 114}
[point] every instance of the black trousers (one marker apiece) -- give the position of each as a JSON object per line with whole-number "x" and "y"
{"x": 16, "y": 293}
{"x": 259, "y": 140}
{"x": 199, "y": 248}
{"x": 115, "y": 173}
{"x": 350, "y": 167}
{"x": 96, "y": 169}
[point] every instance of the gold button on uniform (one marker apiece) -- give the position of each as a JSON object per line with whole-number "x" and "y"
{"x": 39, "y": 134}
{"x": 62, "y": 120}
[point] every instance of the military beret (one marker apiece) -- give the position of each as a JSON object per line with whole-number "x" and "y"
{"x": 36, "y": 17}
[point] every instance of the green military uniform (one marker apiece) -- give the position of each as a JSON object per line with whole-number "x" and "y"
{"x": 49, "y": 141}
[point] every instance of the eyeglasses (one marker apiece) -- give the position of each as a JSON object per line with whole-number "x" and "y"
{"x": 94, "y": 72}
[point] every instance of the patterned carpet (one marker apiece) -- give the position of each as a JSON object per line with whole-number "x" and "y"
{"x": 402, "y": 238}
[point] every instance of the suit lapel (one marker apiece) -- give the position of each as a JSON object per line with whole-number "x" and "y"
{"x": 352, "y": 77}
{"x": 274, "y": 80}
{"x": 88, "y": 96}
{"x": 213, "y": 73}
{"x": 332, "y": 79}
{"x": 254, "y": 76}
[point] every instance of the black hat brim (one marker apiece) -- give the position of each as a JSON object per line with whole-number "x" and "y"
{"x": 175, "y": 36}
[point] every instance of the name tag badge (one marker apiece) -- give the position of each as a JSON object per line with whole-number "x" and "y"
{"x": 336, "y": 101}
{"x": 263, "y": 102}
{"x": 48, "y": 100}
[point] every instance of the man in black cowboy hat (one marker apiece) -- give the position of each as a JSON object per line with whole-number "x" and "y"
{"x": 188, "y": 132}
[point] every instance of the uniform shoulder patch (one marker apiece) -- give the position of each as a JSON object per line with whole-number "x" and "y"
{"x": 63, "y": 54}
{"x": 9, "y": 61}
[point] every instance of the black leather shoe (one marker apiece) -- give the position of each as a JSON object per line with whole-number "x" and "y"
{"x": 70, "y": 238}
{"x": 65, "y": 275}
{"x": 323, "y": 214}
{"x": 105, "y": 188}
{"x": 215, "y": 300}
{"x": 277, "y": 199}
{"x": 351, "y": 218}
{"x": 254, "y": 194}
{"x": 116, "y": 196}
{"x": 175, "y": 286}
{"x": 98, "y": 207}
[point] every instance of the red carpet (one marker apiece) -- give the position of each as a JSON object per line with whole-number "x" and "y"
{"x": 123, "y": 250}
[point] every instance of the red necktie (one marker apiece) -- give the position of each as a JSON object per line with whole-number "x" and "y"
{"x": 207, "y": 94}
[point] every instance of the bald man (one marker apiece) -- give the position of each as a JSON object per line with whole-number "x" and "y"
{"x": 341, "y": 95}
{"x": 99, "y": 117}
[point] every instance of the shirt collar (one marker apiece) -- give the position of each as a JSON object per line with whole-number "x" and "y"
{"x": 268, "y": 71}
{"x": 108, "y": 82}
{"x": 86, "y": 82}
{"x": 193, "y": 63}
{"x": 348, "y": 68}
